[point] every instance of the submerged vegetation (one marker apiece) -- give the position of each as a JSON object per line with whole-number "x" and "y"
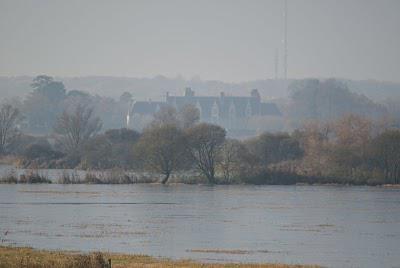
{"x": 11, "y": 257}
{"x": 112, "y": 176}
{"x": 29, "y": 176}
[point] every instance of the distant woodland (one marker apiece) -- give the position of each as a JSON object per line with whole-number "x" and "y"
{"x": 328, "y": 134}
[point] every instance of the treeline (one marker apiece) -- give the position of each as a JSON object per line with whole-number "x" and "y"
{"x": 349, "y": 150}
{"x": 309, "y": 99}
{"x": 328, "y": 100}
{"x": 48, "y": 99}
{"x": 334, "y": 142}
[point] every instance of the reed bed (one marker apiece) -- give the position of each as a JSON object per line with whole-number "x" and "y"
{"x": 29, "y": 176}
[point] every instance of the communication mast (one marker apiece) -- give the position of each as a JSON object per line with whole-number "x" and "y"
{"x": 276, "y": 64}
{"x": 285, "y": 49}
{"x": 128, "y": 115}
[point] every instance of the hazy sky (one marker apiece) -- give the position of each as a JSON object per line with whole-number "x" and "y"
{"x": 215, "y": 39}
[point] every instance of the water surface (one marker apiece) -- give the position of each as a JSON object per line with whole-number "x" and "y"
{"x": 326, "y": 225}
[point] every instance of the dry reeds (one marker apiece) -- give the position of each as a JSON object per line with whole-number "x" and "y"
{"x": 10, "y": 177}
{"x": 33, "y": 176}
{"x": 69, "y": 177}
{"x": 29, "y": 258}
{"x": 29, "y": 176}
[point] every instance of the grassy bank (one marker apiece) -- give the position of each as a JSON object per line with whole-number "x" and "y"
{"x": 11, "y": 257}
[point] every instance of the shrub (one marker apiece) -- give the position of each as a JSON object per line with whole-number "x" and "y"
{"x": 97, "y": 153}
{"x": 41, "y": 150}
{"x": 10, "y": 177}
{"x": 33, "y": 176}
{"x": 273, "y": 178}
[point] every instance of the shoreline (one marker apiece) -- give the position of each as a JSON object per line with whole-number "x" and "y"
{"x": 16, "y": 175}
{"x": 387, "y": 186}
{"x": 15, "y": 256}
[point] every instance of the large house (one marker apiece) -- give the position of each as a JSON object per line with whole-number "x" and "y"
{"x": 232, "y": 112}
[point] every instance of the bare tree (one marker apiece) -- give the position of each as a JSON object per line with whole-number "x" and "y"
{"x": 162, "y": 149}
{"x": 204, "y": 142}
{"x": 229, "y": 158}
{"x": 188, "y": 116}
{"x": 9, "y": 117}
{"x": 167, "y": 115}
{"x": 76, "y": 128}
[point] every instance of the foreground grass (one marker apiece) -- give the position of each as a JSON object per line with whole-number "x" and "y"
{"x": 12, "y": 257}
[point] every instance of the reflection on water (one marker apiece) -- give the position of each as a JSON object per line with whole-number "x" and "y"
{"x": 332, "y": 226}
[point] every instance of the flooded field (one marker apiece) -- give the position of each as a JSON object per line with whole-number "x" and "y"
{"x": 326, "y": 225}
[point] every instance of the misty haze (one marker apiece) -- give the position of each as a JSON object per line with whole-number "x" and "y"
{"x": 199, "y": 133}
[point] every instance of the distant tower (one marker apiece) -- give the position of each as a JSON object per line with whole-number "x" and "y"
{"x": 285, "y": 52}
{"x": 276, "y": 63}
{"x": 128, "y": 115}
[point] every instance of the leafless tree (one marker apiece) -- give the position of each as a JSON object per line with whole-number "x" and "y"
{"x": 9, "y": 117}
{"x": 167, "y": 115}
{"x": 230, "y": 158}
{"x": 204, "y": 142}
{"x": 162, "y": 149}
{"x": 76, "y": 128}
{"x": 188, "y": 116}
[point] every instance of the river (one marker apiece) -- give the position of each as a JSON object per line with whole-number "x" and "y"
{"x": 326, "y": 225}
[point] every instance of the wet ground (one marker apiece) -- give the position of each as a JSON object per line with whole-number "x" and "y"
{"x": 326, "y": 225}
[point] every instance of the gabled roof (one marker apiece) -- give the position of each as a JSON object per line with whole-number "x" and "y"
{"x": 224, "y": 102}
{"x": 206, "y": 103}
{"x": 240, "y": 104}
{"x": 147, "y": 107}
{"x": 269, "y": 109}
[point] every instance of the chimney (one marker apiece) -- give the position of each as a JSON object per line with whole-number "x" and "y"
{"x": 255, "y": 94}
{"x": 189, "y": 92}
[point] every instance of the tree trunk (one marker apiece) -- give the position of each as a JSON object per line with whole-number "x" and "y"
{"x": 211, "y": 178}
{"x": 164, "y": 181}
